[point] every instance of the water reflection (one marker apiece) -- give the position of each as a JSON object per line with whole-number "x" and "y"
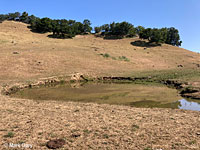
{"x": 189, "y": 105}
{"x": 181, "y": 104}
{"x": 152, "y": 104}
{"x": 136, "y": 95}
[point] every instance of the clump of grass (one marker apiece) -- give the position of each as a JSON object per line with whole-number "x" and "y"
{"x": 106, "y": 55}
{"x": 105, "y": 97}
{"x": 40, "y": 133}
{"x": 20, "y": 142}
{"x": 72, "y": 81}
{"x": 104, "y": 128}
{"x": 3, "y": 41}
{"x": 175, "y": 145}
{"x": 16, "y": 126}
{"x": 42, "y": 144}
{"x": 106, "y": 136}
{"x": 9, "y": 135}
{"x": 86, "y": 131}
{"x": 9, "y": 110}
{"x": 67, "y": 125}
{"x": 74, "y": 130}
{"x": 52, "y": 135}
{"x": 114, "y": 58}
{"x": 148, "y": 148}
{"x": 77, "y": 110}
{"x": 192, "y": 142}
{"x": 62, "y": 81}
{"x": 135, "y": 127}
{"x": 123, "y": 58}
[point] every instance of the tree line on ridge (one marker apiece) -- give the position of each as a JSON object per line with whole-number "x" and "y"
{"x": 62, "y": 28}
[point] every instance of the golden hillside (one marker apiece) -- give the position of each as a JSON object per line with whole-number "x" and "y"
{"x": 28, "y": 55}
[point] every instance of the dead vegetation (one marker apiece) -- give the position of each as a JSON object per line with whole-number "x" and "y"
{"x": 92, "y": 126}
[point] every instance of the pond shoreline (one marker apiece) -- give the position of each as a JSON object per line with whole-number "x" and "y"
{"x": 185, "y": 89}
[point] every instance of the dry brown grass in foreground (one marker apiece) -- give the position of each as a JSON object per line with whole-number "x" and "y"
{"x": 92, "y": 126}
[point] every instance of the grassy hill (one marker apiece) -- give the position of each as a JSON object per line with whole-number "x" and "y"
{"x": 28, "y": 55}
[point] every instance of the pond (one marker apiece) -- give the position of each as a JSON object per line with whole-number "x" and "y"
{"x": 136, "y": 95}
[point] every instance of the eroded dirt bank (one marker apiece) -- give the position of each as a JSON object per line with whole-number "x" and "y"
{"x": 187, "y": 89}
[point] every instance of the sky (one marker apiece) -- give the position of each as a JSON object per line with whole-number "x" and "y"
{"x": 181, "y": 14}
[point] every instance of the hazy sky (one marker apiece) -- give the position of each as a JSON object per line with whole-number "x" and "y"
{"x": 181, "y": 14}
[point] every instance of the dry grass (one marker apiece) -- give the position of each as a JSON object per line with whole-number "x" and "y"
{"x": 92, "y": 126}
{"x": 99, "y": 126}
{"x": 40, "y": 56}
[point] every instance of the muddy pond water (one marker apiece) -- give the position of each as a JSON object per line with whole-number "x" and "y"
{"x": 136, "y": 95}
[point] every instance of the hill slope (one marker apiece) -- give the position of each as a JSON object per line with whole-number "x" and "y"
{"x": 35, "y": 55}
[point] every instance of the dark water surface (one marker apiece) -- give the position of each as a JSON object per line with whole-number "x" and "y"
{"x": 136, "y": 95}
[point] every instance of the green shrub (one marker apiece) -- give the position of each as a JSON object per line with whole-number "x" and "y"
{"x": 123, "y": 58}
{"x": 106, "y": 55}
{"x": 9, "y": 135}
